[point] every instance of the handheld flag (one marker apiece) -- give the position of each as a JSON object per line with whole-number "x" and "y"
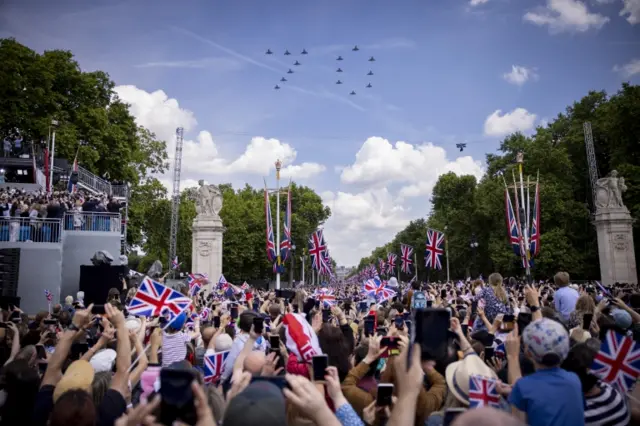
{"x": 213, "y": 366}
{"x": 618, "y": 362}
{"x": 154, "y": 299}
{"x": 483, "y": 392}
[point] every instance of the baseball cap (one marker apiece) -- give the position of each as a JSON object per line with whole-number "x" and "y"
{"x": 622, "y": 318}
{"x": 546, "y": 342}
{"x": 260, "y": 403}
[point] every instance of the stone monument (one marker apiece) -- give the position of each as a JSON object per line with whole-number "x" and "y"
{"x": 614, "y": 228}
{"x": 206, "y": 247}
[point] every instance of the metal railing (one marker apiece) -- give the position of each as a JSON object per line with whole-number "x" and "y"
{"x": 121, "y": 191}
{"x": 92, "y": 222}
{"x": 91, "y": 181}
{"x": 25, "y": 229}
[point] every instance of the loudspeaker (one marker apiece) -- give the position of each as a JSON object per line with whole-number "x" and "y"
{"x": 9, "y": 271}
{"x": 6, "y": 301}
{"x": 96, "y": 281}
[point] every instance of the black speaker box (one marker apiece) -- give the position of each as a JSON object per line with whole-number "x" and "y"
{"x": 7, "y": 301}
{"x": 9, "y": 271}
{"x": 96, "y": 281}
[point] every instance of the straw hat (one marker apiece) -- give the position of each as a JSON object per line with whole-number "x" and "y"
{"x": 79, "y": 375}
{"x": 459, "y": 372}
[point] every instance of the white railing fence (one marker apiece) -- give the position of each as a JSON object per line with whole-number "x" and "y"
{"x": 92, "y": 222}
{"x": 24, "y": 229}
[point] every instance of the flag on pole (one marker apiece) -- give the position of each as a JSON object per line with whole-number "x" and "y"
{"x": 405, "y": 258}
{"x": 285, "y": 244}
{"x": 391, "y": 263}
{"x": 534, "y": 246}
{"x": 434, "y": 249}
{"x": 271, "y": 245}
{"x": 515, "y": 234}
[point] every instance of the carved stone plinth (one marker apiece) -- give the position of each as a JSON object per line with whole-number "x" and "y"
{"x": 206, "y": 248}
{"x": 615, "y": 245}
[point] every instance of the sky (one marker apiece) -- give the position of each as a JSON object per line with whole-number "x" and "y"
{"x": 445, "y": 72}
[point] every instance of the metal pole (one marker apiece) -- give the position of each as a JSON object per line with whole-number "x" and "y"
{"x": 525, "y": 231}
{"x": 446, "y": 250}
{"x": 302, "y": 274}
{"x": 415, "y": 262}
{"x": 291, "y": 268}
{"x": 278, "y": 165}
{"x": 53, "y": 151}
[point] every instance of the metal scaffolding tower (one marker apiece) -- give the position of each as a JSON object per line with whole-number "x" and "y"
{"x": 175, "y": 205}
{"x": 591, "y": 159}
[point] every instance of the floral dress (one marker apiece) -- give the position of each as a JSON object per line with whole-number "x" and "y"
{"x": 492, "y": 306}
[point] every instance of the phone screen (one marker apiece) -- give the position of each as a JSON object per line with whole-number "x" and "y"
{"x": 431, "y": 331}
{"x": 391, "y": 343}
{"x": 258, "y": 325}
{"x": 524, "y": 318}
{"x": 363, "y": 306}
{"x": 474, "y": 307}
{"x": 234, "y": 312}
{"x": 320, "y": 364}
{"x": 381, "y": 331}
{"x": 586, "y": 321}
{"x": 465, "y": 329}
{"x": 42, "y": 354}
{"x": 368, "y": 326}
{"x": 326, "y": 314}
{"x": 385, "y": 392}
{"x": 98, "y": 310}
{"x": 177, "y": 397}
{"x": 507, "y": 322}
{"x": 216, "y": 322}
{"x": 399, "y": 322}
{"x": 488, "y": 352}
{"x": 443, "y": 293}
{"x": 274, "y": 341}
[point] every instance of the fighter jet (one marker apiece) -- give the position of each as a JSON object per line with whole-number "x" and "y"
{"x": 286, "y": 52}
{"x": 338, "y": 82}
{"x": 370, "y": 73}
{"x": 283, "y": 79}
{"x": 461, "y": 146}
{"x": 353, "y": 92}
{"x": 304, "y": 52}
{"x": 290, "y": 71}
{"x": 355, "y": 49}
{"x": 277, "y": 87}
{"x": 339, "y": 58}
{"x": 372, "y": 59}
{"x": 269, "y": 52}
{"x": 297, "y": 63}
{"x": 369, "y": 86}
{"x": 339, "y": 70}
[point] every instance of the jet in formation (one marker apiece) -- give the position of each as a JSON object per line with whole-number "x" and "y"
{"x": 353, "y": 92}
{"x": 372, "y": 59}
{"x": 286, "y": 52}
{"x": 277, "y": 87}
{"x": 338, "y": 82}
{"x": 355, "y": 49}
{"x": 339, "y": 70}
{"x": 297, "y": 63}
{"x": 369, "y": 86}
{"x": 283, "y": 79}
{"x": 370, "y": 73}
{"x": 269, "y": 52}
{"x": 461, "y": 146}
{"x": 304, "y": 52}
{"x": 339, "y": 58}
{"x": 290, "y": 71}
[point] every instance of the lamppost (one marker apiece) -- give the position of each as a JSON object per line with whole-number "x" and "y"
{"x": 302, "y": 258}
{"x": 474, "y": 248}
{"x": 293, "y": 265}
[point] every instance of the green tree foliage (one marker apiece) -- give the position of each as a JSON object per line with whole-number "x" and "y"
{"x": 243, "y": 216}
{"x": 557, "y": 152}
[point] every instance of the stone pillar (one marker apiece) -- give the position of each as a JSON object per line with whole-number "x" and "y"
{"x": 206, "y": 247}
{"x": 615, "y": 246}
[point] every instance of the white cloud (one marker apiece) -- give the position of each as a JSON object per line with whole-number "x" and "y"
{"x": 518, "y": 120}
{"x": 477, "y": 2}
{"x": 379, "y": 163}
{"x": 566, "y": 16}
{"x": 632, "y": 9}
{"x": 162, "y": 115}
{"x": 519, "y": 75}
{"x": 630, "y": 69}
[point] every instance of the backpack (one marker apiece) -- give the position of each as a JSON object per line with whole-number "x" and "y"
{"x": 418, "y": 301}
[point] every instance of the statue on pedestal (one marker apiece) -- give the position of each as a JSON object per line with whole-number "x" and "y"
{"x": 208, "y": 200}
{"x": 609, "y": 191}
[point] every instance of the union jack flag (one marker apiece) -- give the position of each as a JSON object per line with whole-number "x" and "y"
{"x": 196, "y": 282}
{"x": 271, "y": 245}
{"x": 222, "y": 283}
{"x": 325, "y": 296}
{"x": 513, "y": 226}
{"x": 317, "y": 251}
{"x": 174, "y": 263}
{"x": 434, "y": 249}
{"x": 377, "y": 289}
{"x": 406, "y": 260}
{"x": 213, "y": 366}
{"x": 391, "y": 263}
{"x": 285, "y": 244}
{"x": 153, "y": 299}
{"x": 383, "y": 266}
{"x": 48, "y": 295}
{"x": 618, "y": 362}
{"x": 245, "y": 286}
{"x": 483, "y": 392}
{"x": 534, "y": 245}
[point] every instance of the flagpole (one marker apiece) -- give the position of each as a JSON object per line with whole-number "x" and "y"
{"x": 525, "y": 231}
{"x": 415, "y": 262}
{"x": 446, "y": 250}
{"x": 278, "y": 166}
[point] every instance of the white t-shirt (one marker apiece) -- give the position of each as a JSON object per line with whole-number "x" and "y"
{"x": 174, "y": 347}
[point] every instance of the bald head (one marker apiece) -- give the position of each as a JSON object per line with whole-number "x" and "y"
{"x": 254, "y": 362}
{"x": 207, "y": 335}
{"x": 486, "y": 416}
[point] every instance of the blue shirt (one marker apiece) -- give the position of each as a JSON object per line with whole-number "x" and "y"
{"x": 565, "y": 299}
{"x": 550, "y": 397}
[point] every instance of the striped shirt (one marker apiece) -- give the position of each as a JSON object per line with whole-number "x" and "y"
{"x": 607, "y": 408}
{"x": 174, "y": 347}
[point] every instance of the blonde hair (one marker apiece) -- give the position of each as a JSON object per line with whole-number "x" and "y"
{"x": 585, "y": 304}
{"x": 495, "y": 281}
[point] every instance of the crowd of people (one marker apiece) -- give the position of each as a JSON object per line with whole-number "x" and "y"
{"x": 20, "y": 210}
{"x": 242, "y": 356}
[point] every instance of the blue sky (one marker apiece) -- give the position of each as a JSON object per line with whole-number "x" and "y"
{"x": 443, "y": 70}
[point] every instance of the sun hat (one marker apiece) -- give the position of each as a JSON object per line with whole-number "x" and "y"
{"x": 458, "y": 374}
{"x": 79, "y": 375}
